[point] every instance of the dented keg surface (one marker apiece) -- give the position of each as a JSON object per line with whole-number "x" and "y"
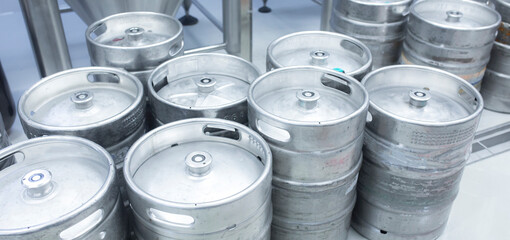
{"x": 200, "y": 179}
{"x": 63, "y": 188}
{"x": 4, "y": 142}
{"x": 135, "y": 41}
{"x": 456, "y": 36}
{"x": 208, "y": 85}
{"x": 324, "y": 49}
{"x": 496, "y": 81}
{"x": 417, "y": 141}
{"x": 105, "y": 105}
{"x": 313, "y": 120}
{"x": 380, "y": 24}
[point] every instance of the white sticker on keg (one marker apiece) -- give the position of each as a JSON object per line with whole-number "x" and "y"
{"x": 353, "y": 185}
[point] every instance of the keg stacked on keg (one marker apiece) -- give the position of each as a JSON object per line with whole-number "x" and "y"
{"x": 200, "y": 179}
{"x": 105, "y": 105}
{"x": 63, "y": 188}
{"x": 496, "y": 81}
{"x": 313, "y": 120}
{"x": 380, "y": 24}
{"x": 323, "y": 49}
{"x": 456, "y": 36}
{"x": 208, "y": 85}
{"x": 417, "y": 141}
{"x": 135, "y": 41}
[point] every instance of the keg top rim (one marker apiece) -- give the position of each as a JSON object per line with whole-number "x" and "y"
{"x": 353, "y": 82}
{"x": 94, "y": 26}
{"x": 465, "y": 86}
{"x": 446, "y": 24}
{"x": 248, "y": 140}
{"x": 231, "y": 72}
{"x": 122, "y": 75}
{"x": 65, "y": 179}
{"x": 329, "y": 35}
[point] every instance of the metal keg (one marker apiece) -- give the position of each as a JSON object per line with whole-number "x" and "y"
{"x": 380, "y": 24}
{"x": 105, "y": 105}
{"x": 208, "y": 85}
{"x": 135, "y": 41}
{"x": 318, "y": 48}
{"x": 200, "y": 179}
{"x": 7, "y": 106}
{"x": 456, "y": 36}
{"x": 4, "y": 142}
{"x": 63, "y": 187}
{"x": 496, "y": 82}
{"x": 417, "y": 141}
{"x": 313, "y": 120}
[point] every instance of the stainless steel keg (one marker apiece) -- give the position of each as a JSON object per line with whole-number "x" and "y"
{"x": 380, "y": 24}
{"x": 456, "y": 36}
{"x": 135, "y": 41}
{"x": 208, "y": 85}
{"x": 4, "y": 142}
{"x": 62, "y": 188}
{"x": 313, "y": 120}
{"x": 105, "y": 105}
{"x": 496, "y": 82}
{"x": 318, "y": 48}
{"x": 200, "y": 179}
{"x": 417, "y": 141}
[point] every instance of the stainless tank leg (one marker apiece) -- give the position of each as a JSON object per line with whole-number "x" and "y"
{"x": 237, "y": 27}
{"x": 327, "y": 8}
{"x": 44, "y": 25}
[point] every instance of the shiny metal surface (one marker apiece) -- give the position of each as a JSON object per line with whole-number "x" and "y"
{"x": 237, "y": 27}
{"x": 417, "y": 141}
{"x": 200, "y": 179}
{"x": 135, "y": 41}
{"x": 319, "y": 48}
{"x": 94, "y": 10}
{"x": 201, "y": 85}
{"x": 456, "y": 36}
{"x": 44, "y": 26}
{"x": 63, "y": 188}
{"x": 496, "y": 86}
{"x": 301, "y": 111}
{"x": 326, "y": 12}
{"x": 377, "y": 23}
{"x": 104, "y": 105}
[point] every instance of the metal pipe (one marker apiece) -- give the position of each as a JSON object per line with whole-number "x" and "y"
{"x": 44, "y": 25}
{"x": 208, "y": 15}
{"x": 237, "y": 27}
{"x": 327, "y": 10}
{"x": 211, "y": 48}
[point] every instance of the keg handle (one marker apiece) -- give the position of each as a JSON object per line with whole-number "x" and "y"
{"x": 98, "y": 30}
{"x": 84, "y": 226}
{"x": 176, "y": 49}
{"x": 165, "y": 219}
{"x": 272, "y": 132}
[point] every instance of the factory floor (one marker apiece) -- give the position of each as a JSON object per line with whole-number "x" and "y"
{"x": 482, "y": 208}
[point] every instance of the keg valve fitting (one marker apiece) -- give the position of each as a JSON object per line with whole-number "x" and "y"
{"x": 307, "y": 98}
{"x": 82, "y": 99}
{"x": 206, "y": 84}
{"x": 453, "y": 16}
{"x": 419, "y": 98}
{"x": 319, "y": 57}
{"x": 198, "y": 163}
{"x": 134, "y": 33}
{"x": 38, "y": 183}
